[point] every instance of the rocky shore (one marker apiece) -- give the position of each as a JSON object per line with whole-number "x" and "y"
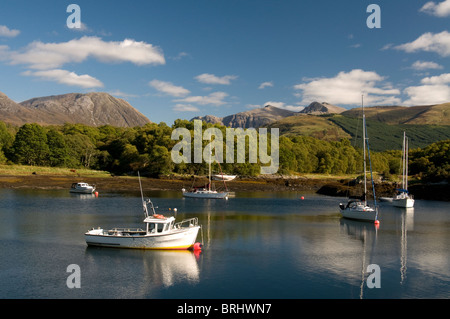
{"x": 330, "y": 187}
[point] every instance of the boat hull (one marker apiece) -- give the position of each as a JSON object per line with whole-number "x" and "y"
{"x": 221, "y": 195}
{"x": 180, "y": 239}
{"x": 356, "y": 214}
{"x": 83, "y": 191}
{"x": 403, "y": 202}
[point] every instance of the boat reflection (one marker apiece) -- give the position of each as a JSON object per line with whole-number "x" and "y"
{"x": 365, "y": 233}
{"x": 159, "y": 268}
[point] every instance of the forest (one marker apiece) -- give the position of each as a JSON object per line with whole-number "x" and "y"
{"x": 124, "y": 151}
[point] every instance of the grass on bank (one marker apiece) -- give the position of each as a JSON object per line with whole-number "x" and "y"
{"x": 23, "y": 170}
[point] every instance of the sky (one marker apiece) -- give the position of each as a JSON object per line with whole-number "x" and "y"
{"x": 174, "y": 59}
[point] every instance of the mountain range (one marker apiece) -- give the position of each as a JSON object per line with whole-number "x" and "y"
{"x": 93, "y": 109}
{"x": 424, "y": 124}
{"x": 267, "y": 115}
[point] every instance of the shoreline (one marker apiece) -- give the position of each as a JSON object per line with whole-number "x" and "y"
{"x": 336, "y": 187}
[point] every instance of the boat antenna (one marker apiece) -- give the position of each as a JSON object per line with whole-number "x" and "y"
{"x": 144, "y": 205}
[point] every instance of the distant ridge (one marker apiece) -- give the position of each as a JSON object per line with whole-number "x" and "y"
{"x": 93, "y": 109}
{"x": 253, "y": 118}
{"x": 317, "y": 108}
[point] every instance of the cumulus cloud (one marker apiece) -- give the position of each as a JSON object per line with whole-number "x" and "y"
{"x": 39, "y": 55}
{"x": 429, "y": 42}
{"x": 66, "y": 77}
{"x": 7, "y": 32}
{"x": 346, "y": 88}
{"x": 440, "y": 9}
{"x": 265, "y": 84}
{"x": 169, "y": 88}
{"x": 426, "y": 65}
{"x": 434, "y": 90}
{"x": 213, "y": 79}
{"x": 215, "y": 98}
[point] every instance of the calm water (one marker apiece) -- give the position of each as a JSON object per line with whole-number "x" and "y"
{"x": 256, "y": 245}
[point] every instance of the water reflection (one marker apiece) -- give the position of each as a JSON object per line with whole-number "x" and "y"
{"x": 147, "y": 271}
{"x": 366, "y": 234}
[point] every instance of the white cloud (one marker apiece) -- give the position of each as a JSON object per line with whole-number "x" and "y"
{"x": 439, "y": 79}
{"x": 185, "y": 108}
{"x": 429, "y": 42}
{"x": 213, "y": 79}
{"x": 425, "y": 65}
{"x": 427, "y": 94}
{"x": 346, "y": 88}
{"x": 215, "y": 98}
{"x": 83, "y": 28}
{"x": 282, "y": 105}
{"x": 39, "y": 55}
{"x": 120, "y": 94}
{"x": 169, "y": 88}
{"x": 7, "y": 32}
{"x": 66, "y": 77}
{"x": 441, "y": 9}
{"x": 435, "y": 90}
{"x": 265, "y": 84}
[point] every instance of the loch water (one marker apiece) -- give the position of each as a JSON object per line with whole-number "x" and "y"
{"x": 256, "y": 245}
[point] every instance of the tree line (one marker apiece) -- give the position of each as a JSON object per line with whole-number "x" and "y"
{"x": 148, "y": 149}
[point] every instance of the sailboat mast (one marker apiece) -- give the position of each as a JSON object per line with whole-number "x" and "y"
{"x": 210, "y": 159}
{"x": 406, "y": 163}
{"x": 364, "y": 149}
{"x": 403, "y": 160}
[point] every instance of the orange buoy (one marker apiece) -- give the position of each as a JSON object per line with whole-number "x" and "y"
{"x": 302, "y": 198}
{"x": 96, "y": 194}
{"x": 377, "y": 222}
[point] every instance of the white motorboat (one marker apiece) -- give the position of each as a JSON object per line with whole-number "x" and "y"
{"x": 159, "y": 232}
{"x": 358, "y": 209}
{"x": 82, "y": 188}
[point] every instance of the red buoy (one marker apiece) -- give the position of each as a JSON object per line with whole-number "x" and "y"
{"x": 197, "y": 246}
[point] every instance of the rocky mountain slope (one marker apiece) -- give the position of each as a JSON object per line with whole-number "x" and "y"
{"x": 93, "y": 109}
{"x": 317, "y": 108}
{"x": 253, "y": 118}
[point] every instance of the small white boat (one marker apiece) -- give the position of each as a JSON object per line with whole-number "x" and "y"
{"x": 220, "y": 177}
{"x": 203, "y": 192}
{"x": 82, "y": 188}
{"x": 160, "y": 232}
{"x": 358, "y": 210}
{"x": 403, "y": 198}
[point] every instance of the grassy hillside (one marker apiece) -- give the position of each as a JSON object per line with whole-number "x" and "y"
{"x": 383, "y": 136}
{"x": 310, "y": 125}
{"x": 422, "y": 115}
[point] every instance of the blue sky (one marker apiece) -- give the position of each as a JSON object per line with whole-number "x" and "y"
{"x": 182, "y": 58}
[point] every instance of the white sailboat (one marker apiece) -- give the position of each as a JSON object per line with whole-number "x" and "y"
{"x": 403, "y": 198}
{"x": 205, "y": 192}
{"x": 160, "y": 232}
{"x": 358, "y": 208}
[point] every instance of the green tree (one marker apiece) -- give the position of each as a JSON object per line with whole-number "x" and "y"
{"x": 30, "y": 145}
{"x": 58, "y": 152}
